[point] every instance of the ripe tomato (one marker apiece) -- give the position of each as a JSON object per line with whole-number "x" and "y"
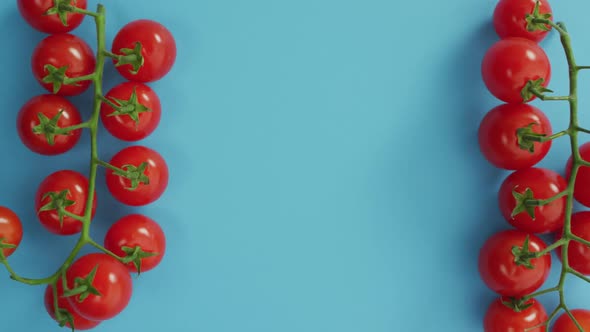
{"x": 510, "y": 63}
{"x": 111, "y": 280}
{"x": 578, "y": 255}
{"x": 564, "y": 323}
{"x": 156, "y": 171}
{"x": 11, "y": 230}
{"x": 70, "y": 190}
{"x": 80, "y": 323}
{"x": 139, "y": 114}
{"x": 544, "y": 184}
{"x": 63, "y": 51}
{"x": 34, "y": 13}
{"x": 501, "y": 318}
{"x": 158, "y": 49}
{"x": 498, "y": 140}
{"x": 136, "y": 230}
{"x": 48, "y": 107}
{"x": 499, "y": 271}
{"x": 581, "y": 188}
{"x": 510, "y": 19}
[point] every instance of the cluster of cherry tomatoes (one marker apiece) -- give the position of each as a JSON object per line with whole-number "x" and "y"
{"x": 143, "y": 51}
{"x": 516, "y": 136}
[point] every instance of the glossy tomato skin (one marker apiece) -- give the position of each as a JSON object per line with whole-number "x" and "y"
{"x": 564, "y": 323}
{"x": 137, "y": 230}
{"x": 510, "y": 19}
{"x": 80, "y": 323}
{"x": 33, "y": 12}
{"x": 158, "y": 49}
{"x": 156, "y": 171}
{"x": 545, "y": 184}
{"x": 123, "y": 126}
{"x": 112, "y": 280}
{"x": 50, "y": 106}
{"x": 578, "y": 254}
{"x": 501, "y": 318}
{"x": 498, "y": 140}
{"x": 510, "y": 63}
{"x": 499, "y": 271}
{"x": 11, "y": 229}
{"x": 77, "y": 185}
{"x": 63, "y": 50}
{"x": 581, "y": 187}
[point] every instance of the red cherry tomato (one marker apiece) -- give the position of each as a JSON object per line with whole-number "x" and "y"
{"x": 68, "y": 188}
{"x": 11, "y": 230}
{"x": 111, "y": 280}
{"x": 136, "y": 230}
{"x": 510, "y": 19}
{"x": 144, "y": 192}
{"x": 510, "y": 63}
{"x": 581, "y": 187}
{"x": 501, "y": 318}
{"x": 80, "y": 323}
{"x": 499, "y": 271}
{"x": 63, "y": 51}
{"x": 139, "y": 114}
{"x": 34, "y": 13}
{"x": 498, "y": 140}
{"x": 564, "y": 323}
{"x": 48, "y": 107}
{"x": 158, "y": 49}
{"x": 578, "y": 254}
{"x": 544, "y": 184}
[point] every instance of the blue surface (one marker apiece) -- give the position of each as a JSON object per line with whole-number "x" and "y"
{"x": 325, "y": 174}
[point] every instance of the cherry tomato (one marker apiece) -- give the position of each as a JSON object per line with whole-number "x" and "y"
{"x": 544, "y": 184}
{"x": 111, "y": 280}
{"x": 158, "y": 49}
{"x": 139, "y": 114}
{"x": 501, "y": 318}
{"x": 136, "y": 230}
{"x": 80, "y": 323}
{"x": 564, "y": 323}
{"x": 581, "y": 187}
{"x": 499, "y": 271}
{"x": 63, "y": 51}
{"x": 48, "y": 111}
{"x": 34, "y": 13}
{"x": 144, "y": 192}
{"x": 578, "y": 254}
{"x": 11, "y": 230}
{"x": 510, "y": 63}
{"x": 510, "y": 19}
{"x": 70, "y": 190}
{"x": 498, "y": 140}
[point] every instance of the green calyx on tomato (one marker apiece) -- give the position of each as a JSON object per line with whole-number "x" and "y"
{"x": 534, "y": 88}
{"x": 526, "y": 137}
{"x": 525, "y": 202}
{"x": 62, "y": 8}
{"x": 536, "y": 20}
{"x": 57, "y": 201}
{"x": 517, "y": 304}
{"x": 136, "y": 175}
{"x": 49, "y": 127}
{"x": 83, "y": 286}
{"x": 130, "y": 56}
{"x": 136, "y": 255}
{"x": 522, "y": 255}
{"x": 130, "y": 107}
{"x": 55, "y": 76}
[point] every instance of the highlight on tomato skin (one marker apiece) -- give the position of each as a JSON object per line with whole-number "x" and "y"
{"x": 11, "y": 230}
{"x": 34, "y": 14}
{"x": 509, "y": 19}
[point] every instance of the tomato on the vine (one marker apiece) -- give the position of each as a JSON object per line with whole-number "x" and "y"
{"x": 564, "y": 323}
{"x": 500, "y": 272}
{"x": 578, "y": 254}
{"x": 510, "y": 64}
{"x": 501, "y": 318}
{"x": 48, "y": 113}
{"x": 147, "y": 179}
{"x": 80, "y": 323}
{"x": 150, "y": 41}
{"x": 43, "y": 15}
{"x": 59, "y": 55}
{"x": 581, "y": 187}
{"x": 136, "y": 230}
{"x": 510, "y": 19}
{"x": 138, "y": 114}
{"x": 543, "y": 184}
{"x": 112, "y": 281}
{"x": 11, "y": 231}
{"x": 499, "y": 142}
{"x": 67, "y": 189}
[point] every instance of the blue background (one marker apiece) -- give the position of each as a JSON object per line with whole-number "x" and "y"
{"x": 325, "y": 174}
